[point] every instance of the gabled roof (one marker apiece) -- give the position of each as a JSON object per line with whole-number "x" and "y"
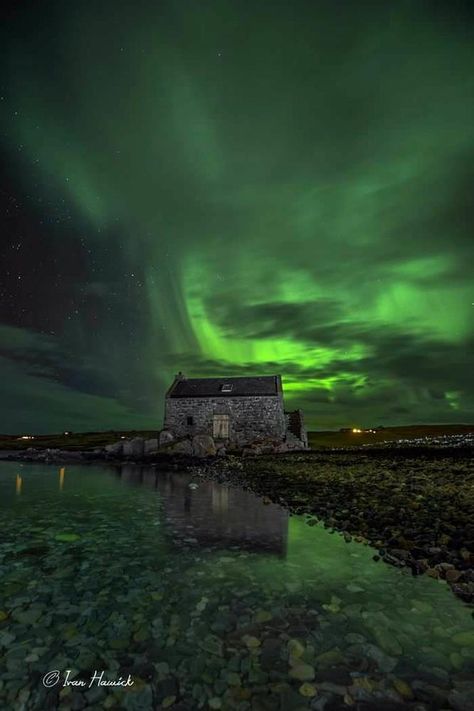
{"x": 216, "y": 387}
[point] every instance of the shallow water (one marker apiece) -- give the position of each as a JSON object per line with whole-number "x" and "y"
{"x": 199, "y": 594}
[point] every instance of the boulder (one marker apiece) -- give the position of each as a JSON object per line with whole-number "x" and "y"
{"x": 203, "y": 446}
{"x": 165, "y": 438}
{"x": 182, "y": 447}
{"x": 133, "y": 447}
{"x": 293, "y": 442}
{"x": 151, "y": 446}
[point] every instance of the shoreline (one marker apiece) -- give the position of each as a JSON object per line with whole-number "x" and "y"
{"x": 412, "y": 505}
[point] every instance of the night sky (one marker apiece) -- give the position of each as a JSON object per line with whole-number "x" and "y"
{"x": 236, "y": 188}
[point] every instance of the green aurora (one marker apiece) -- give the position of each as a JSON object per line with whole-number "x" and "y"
{"x": 238, "y": 188}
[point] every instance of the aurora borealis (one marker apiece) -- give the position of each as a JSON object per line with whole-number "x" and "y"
{"x": 236, "y": 188}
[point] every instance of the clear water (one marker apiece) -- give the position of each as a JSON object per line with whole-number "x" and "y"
{"x": 199, "y": 594}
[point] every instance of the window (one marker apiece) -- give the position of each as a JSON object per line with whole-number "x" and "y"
{"x": 226, "y": 388}
{"x": 189, "y": 420}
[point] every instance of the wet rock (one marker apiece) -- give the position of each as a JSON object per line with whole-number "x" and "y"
{"x": 402, "y": 688}
{"x": 250, "y": 641}
{"x": 66, "y": 537}
{"x": 430, "y": 693}
{"x": 270, "y": 654}
{"x": 150, "y": 446}
{"x": 329, "y": 658}
{"x": 384, "y": 661}
{"x": 203, "y": 446}
{"x": 355, "y": 638}
{"x": 302, "y": 672}
{"x": 336, "y": 689}
{"x": 115, "y": 449}
{"x": 464, "y": 639}
{"x": 461, "y": 701}
{"x": 133, "y": 447}
{"x": 184, "y": 446}
{"x": 263, "y": 616}
{"x": 165, "y": 437}
{"x": 336, "y": 675}
{"x": 295, "y": 648}
{"x": 213, "y": 645}
{"x": 452, "y": 576}
{"x": 233, "y": 679}
{"x": 166, "y": 688}
{"x": 354, "y": 588}
{"x": 307, "y": 690}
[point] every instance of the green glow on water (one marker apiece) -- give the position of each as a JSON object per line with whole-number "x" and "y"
{"x": 159, "y": 560}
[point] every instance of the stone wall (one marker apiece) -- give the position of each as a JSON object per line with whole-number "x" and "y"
{"x": 295, "y": 425}
{"x": 250, "y": 417}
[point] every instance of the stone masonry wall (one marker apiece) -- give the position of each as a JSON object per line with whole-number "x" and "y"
{"x": 250, "y": 417}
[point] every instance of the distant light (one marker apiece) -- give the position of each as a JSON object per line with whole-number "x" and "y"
{"x": 356, "y": 430}
{"x": 26, "y": 437}
{"x": 66, "y": 433}
{"x": 122, "y": 437}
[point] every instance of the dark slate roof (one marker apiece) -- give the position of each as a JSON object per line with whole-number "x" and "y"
{"x": 211, "y": 387}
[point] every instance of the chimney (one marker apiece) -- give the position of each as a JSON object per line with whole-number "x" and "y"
{"x": 179, "y": 376}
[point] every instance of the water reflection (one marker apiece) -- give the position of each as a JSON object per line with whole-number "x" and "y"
{"x": 207, "y": 513}
{"x": 62, "y": 472}
{"x": 138, "y": 565}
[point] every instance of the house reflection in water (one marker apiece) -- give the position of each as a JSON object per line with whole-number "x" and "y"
{"x": 213, "y": 514}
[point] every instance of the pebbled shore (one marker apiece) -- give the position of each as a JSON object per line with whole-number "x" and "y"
{"x": 414, "y": 507}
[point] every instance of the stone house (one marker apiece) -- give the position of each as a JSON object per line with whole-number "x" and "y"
{"x": 237, "y": 411}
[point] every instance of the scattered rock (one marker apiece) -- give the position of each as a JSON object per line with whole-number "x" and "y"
{"x": 115, "y": 449}
{"x": 165, "y": 437}
{"x": 308, "y": 690}
{"x": 183, "y": 446}
{"x": 302, "y": 672}
{"x": 133, "y": 447}
{"x": 150, "y": 446}
{"x": 203, "y": 446}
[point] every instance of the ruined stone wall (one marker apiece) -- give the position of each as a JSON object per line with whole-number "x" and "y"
{"x": 250, "y": 417}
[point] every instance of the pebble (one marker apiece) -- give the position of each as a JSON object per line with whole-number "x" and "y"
{"x": 295, "y": 648}
{"x": 302, "y": 672}
{"x": 308, "y": 690}
{"x": 251, "y": 642}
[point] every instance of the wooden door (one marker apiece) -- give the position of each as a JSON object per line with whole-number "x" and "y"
{"x": 221, "y": 427}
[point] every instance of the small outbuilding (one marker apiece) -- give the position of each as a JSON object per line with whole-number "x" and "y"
{"x": 236, "y": 410}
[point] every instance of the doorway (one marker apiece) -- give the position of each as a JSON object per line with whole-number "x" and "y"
{"x": 221, "y": 426}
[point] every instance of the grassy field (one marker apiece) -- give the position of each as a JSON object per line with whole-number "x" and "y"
{"x": 72, "y": 441}
{"x": 317, "y": 440}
